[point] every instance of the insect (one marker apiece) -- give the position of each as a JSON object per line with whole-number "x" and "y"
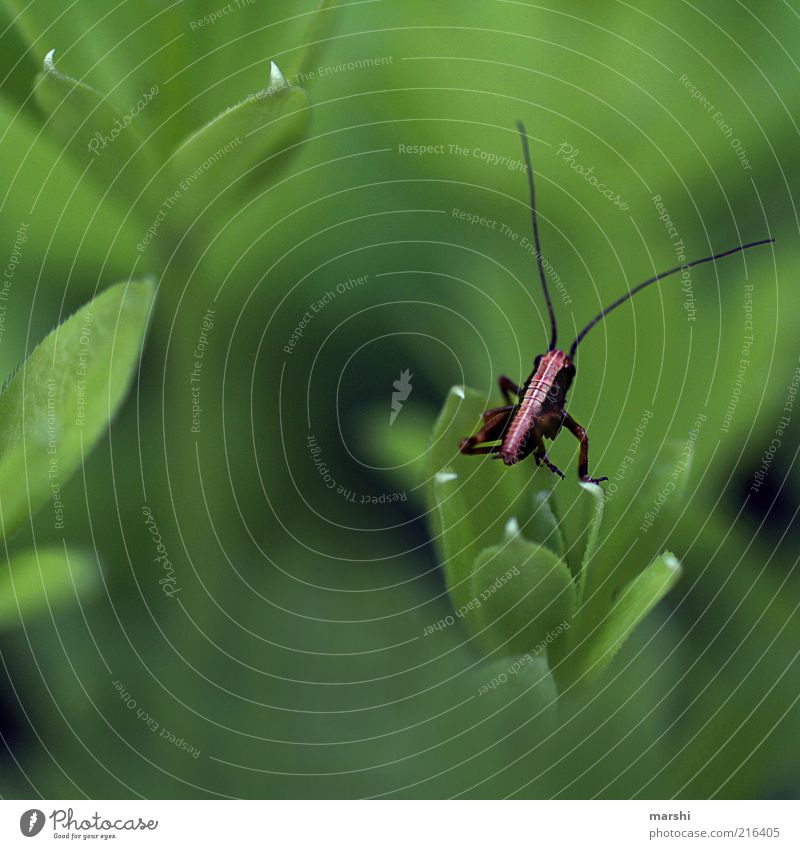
{"x": 519, "y": 428}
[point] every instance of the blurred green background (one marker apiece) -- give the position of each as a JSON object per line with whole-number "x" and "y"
{"x": 293, "y": 656}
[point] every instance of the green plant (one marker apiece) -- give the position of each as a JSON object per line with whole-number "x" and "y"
{"x": 53, "y": 410}
{"x": 527, "y": 566}
{"x": 164, "y": 178}
{"x": 167, "y": 181}
{"x": 305, "y": 672}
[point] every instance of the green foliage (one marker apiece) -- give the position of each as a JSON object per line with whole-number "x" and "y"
{"x": 469, "y": 506}
{"x": 59, "y": 402}
{"x": 582, "y": 517}
{"x": 320, "y": 29}
{"x": 524, "y": 679}
{"x": 634, "y": 602}
{"x": 245, "y": 134}
{"x": 302, "y": 658}
{"x": 505, "y": 555}
{"x": 35, "y": 582}
{"x": 94, "y": 133}
{"x": 219, "y": 164}
{"x": 523, "y": 592}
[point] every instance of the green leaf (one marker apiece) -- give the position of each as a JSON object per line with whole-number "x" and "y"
{"x": 544, "y": 526}
{"x": 240, "y": 138}
{"x": 634, "y": 602}
{"x": 319, "y": 30}
{"x": 580, "y": 508}
{"x": 656, "y": 488}
{"x": 525, "y": 680}
{"x": 93, "y": 132}
{"x": 17, "y": 66}
{"x": 58, "y": 404}
{"x": 594, "y": 495}
{"x": 121, "y": 49}
{"x": 67, "y": 219}
{"x": 522, "y": 597}
{"x": 471, "y": 498}
{"x": 38, "y": 580}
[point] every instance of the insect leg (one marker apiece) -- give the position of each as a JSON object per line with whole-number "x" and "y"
{"x": 583, "y": 463}
{"x": 490, "y": 414}
{"x": 507, "y": 387}
{"x": 540, "y": 455}
{"x": 480, "y": 449}
{"x": 491, "y": 431}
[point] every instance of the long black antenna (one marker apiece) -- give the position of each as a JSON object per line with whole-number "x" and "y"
{"x": 527, "y": 153}
{"x": 657, "y": 277}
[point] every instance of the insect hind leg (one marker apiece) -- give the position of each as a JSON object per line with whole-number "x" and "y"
{"x": 540, "y": 455}
{"x": 495, "y": 411}
{"x": 494, "y": 426}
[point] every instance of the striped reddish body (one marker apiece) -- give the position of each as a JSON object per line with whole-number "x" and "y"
{"x": 540, "y": 411}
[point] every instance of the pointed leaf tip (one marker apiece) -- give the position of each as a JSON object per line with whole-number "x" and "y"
{"x": 512, "y": 528}
{"x": 49, "y": 63}
{"x": 633, "y": 604}
{"x": 444, "y": 477}
{"x": 458, "y": 391}
{"x": 276, "y": 77}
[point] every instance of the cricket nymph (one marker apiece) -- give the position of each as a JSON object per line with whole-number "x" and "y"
{"x": 514, "y": 431}
{"x": 538, "y": 414}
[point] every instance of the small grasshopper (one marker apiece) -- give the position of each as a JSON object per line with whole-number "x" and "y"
{"x": 519, "y": 428}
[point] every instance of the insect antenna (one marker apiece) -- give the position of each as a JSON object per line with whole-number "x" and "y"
{"x": 527, "y": 154}
{"x": 600, "y": 316}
